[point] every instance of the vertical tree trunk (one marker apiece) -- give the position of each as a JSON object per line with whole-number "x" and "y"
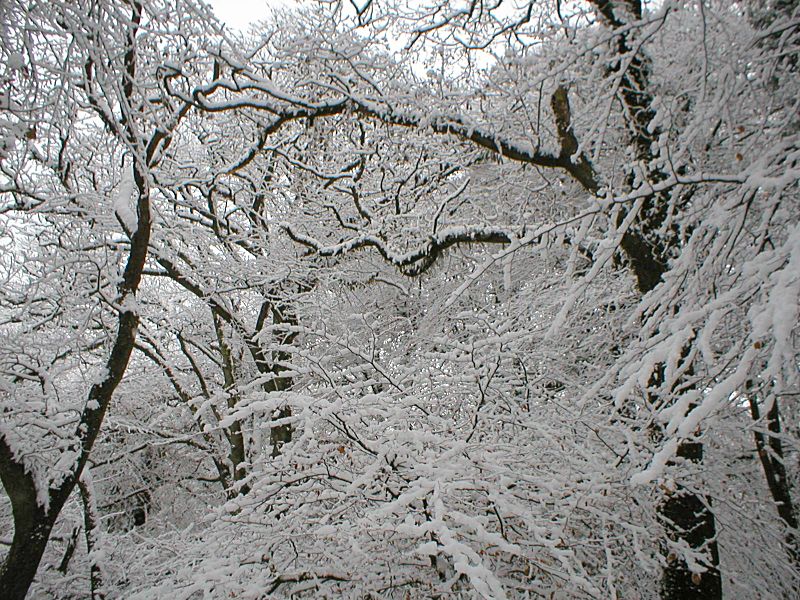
{"x": 770, "y": 454}
{"x": 91, "y": 524}
{"x": 282, "y": 314}
{"x": 686, "y": 515}
{"x": 238, "y": 453}
{"x": 688, "y": 518}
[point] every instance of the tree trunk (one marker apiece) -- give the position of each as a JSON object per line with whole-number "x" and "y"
{"x": 31, "y": 533}
{"x": 685, "y": 514}
{"x": 72, "y": 543}
{"x": 688, "y": 518}
{"x": 31, "y": 528}
{"x": 282, "y": 314}
{"x": 770, "y": 453}
{"x": 92, "y": 528}
{"x": 237, "y": 455}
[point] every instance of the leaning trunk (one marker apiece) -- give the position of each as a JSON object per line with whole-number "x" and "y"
{"x": 32, "y": 526}
{"x": 32, "y": 522}
{"x": 22, "y": 561}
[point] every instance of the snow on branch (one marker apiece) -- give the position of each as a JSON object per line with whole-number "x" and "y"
{"x": 424, "y": 253}
{"x": 122, "y": 203}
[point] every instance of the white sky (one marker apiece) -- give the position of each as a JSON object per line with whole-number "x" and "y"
{"x": 240, "y": 13}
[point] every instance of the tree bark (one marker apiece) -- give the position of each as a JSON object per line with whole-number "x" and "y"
{"x": 688, "y": 518}
{"x": 32, "y": 527}
{"x": 770, "y": 454}
{"x": 238, "y": 454}
{"x": 91, "y": 523}
{"x": 685, "y": 513}
{"x": 281, "y": 434}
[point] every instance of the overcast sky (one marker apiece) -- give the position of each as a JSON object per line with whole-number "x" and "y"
{"x": 240, "y": 13}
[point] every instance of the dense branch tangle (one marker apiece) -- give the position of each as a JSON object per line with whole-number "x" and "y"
{"x": 420, "y": 441}
{"x": 645, "y": 249}
{"x": 246, "y": 90}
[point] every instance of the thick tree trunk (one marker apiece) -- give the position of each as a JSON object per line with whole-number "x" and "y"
{"x": 685, "y": 513}
{"x": 27, "y": 548}
{"x": 688, "y": 518}
{"x": 32, "y": 526}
